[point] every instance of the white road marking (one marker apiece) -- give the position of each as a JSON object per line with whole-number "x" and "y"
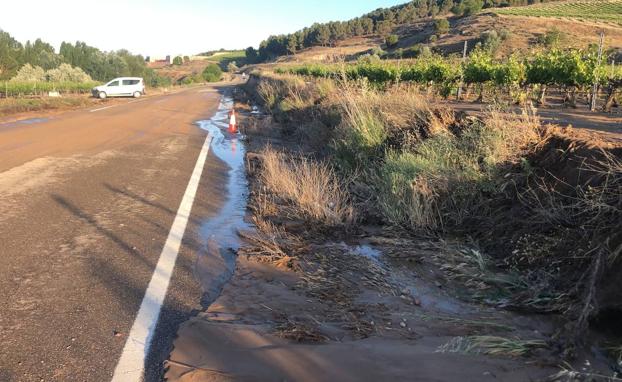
{"x": 121, "y": 104}
{"x": 132, "y": 362}
{"x": 102, "y": 108}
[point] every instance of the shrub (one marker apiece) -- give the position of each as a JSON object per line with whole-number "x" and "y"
{"x": 552, "y": 38}
{"x": 444, "y": 179}
{"x": 492, "y": 41}
{"x": 391, "y": 40}
{"x": 433, "y": 38}
{"x": 66, "y": 73}
{"x": 29, "y": 73}
{"x": 441, "y": 26}
{"x": 312, "y": 189}
{"x": 178, "y": 60}
{"x": 212, "y": 73}
{"x": 471, "y": 7}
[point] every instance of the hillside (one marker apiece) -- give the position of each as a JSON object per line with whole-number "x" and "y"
{"x": 561, "y": 24}
{"x": 516, "y": 33}
{"x": 599, "y": 10}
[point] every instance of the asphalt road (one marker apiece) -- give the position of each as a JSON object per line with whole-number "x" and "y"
{"x": 87, "y": 199}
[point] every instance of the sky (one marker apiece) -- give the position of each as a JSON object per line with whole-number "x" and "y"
{"x": 161, "y": 27}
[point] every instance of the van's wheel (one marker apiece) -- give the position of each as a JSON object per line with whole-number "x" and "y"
{"x": 137, "y": 94}
{"x": 102, "y": 95}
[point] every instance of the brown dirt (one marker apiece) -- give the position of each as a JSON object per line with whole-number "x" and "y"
{"x": 306, "y": 306}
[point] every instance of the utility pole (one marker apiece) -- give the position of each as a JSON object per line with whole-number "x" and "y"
{"x": 600, "y": 56}
{"x": 464, "y": 52}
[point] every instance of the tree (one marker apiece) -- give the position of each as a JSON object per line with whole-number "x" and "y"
{"x": 177, "y": 60}
{"x": 367, "y": 25}
{"x": 251, "y": 54}
{"x": 322, "y": 35}
{"x": 471, "y": 7}
{"x": 212, "y": 73}
{"x": 392, "y": 40}
{"x": 292, "y": 44}
{"x": 441, "y": 26}
{"x": 383, "y": 28}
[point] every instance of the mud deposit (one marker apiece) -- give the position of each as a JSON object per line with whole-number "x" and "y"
{"x": 216, "y": 265}
{"x": 330, "y": 311}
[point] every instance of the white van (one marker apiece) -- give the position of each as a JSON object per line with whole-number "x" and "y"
{"x": 119, "y": 87}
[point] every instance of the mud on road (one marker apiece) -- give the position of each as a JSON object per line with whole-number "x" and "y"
{"x": 87, "y": 200}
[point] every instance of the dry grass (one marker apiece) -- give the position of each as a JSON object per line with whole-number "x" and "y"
{"x": 492, "y": 345}
{"x": 10, "y": 106}
{"x": 312, "y": 189}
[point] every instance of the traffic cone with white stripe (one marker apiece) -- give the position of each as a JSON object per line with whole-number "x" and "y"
{"x": 233, "y": 127}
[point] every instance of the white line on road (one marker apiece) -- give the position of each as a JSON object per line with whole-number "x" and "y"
{"x": 102, "y": 108}
{"x": 132, "y": 362}
{"x": 111, "y": 106}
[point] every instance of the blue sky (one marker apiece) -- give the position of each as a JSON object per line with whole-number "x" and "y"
{"x": 159, "y": 27}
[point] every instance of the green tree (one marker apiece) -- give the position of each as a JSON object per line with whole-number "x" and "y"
{"x": 441, "y": 26}
{"x": 251, "y": 55}
{"x": 391, "y": 40}
{"x": 212, "y": 73}
{"x": 384, "y": 27}
{"x": 178, "y": 60}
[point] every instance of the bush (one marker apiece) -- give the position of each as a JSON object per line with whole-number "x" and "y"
{"x": 441, "y": 26}
{"x": 29, "y": 73}
{"x": 178, "y": 60}
{"x": 444, "y": 180}
{"x": 492, "y": 41}
{"x": 66, "y": 73}
{"x": 313, "y": 189}
{"x": 552, "y": 38}
{"x": 391, "y": 40}
{"x": 212, "y": 73}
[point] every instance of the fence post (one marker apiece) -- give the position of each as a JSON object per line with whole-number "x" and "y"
{"x": 600, "y": 56}
{"x": 464, "y": 52}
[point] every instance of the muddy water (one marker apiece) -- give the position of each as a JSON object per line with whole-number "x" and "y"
{"x": 216, "y": 263}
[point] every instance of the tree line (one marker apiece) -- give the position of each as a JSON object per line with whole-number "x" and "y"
{"x": 99, "y": 65}
{"x": 380, "y": 22}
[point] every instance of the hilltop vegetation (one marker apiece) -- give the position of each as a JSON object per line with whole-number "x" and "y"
{"x": 381, "y": 22}
{"x": 600, "y": 10}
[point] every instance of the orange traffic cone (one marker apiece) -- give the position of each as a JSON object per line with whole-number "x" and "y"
{"x": 233, "y": 127}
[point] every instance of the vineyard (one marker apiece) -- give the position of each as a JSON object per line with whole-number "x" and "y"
{"x": 19, "y": 89}
{"x": 573, "y": 71}
{"x": 595, "y": 10}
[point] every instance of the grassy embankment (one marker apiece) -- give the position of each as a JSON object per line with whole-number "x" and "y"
{"x": 543, "y": 206}
{"x": 9, "y": 106}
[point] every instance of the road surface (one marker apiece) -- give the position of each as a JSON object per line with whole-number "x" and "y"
{"x": 87, "y": 201}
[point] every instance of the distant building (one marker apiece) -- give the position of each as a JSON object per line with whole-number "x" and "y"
{"x": 160, "y": 60}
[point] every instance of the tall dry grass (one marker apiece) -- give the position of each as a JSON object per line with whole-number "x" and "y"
{"x": 313, "y": 190}
{"x": 446, "y": 178}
